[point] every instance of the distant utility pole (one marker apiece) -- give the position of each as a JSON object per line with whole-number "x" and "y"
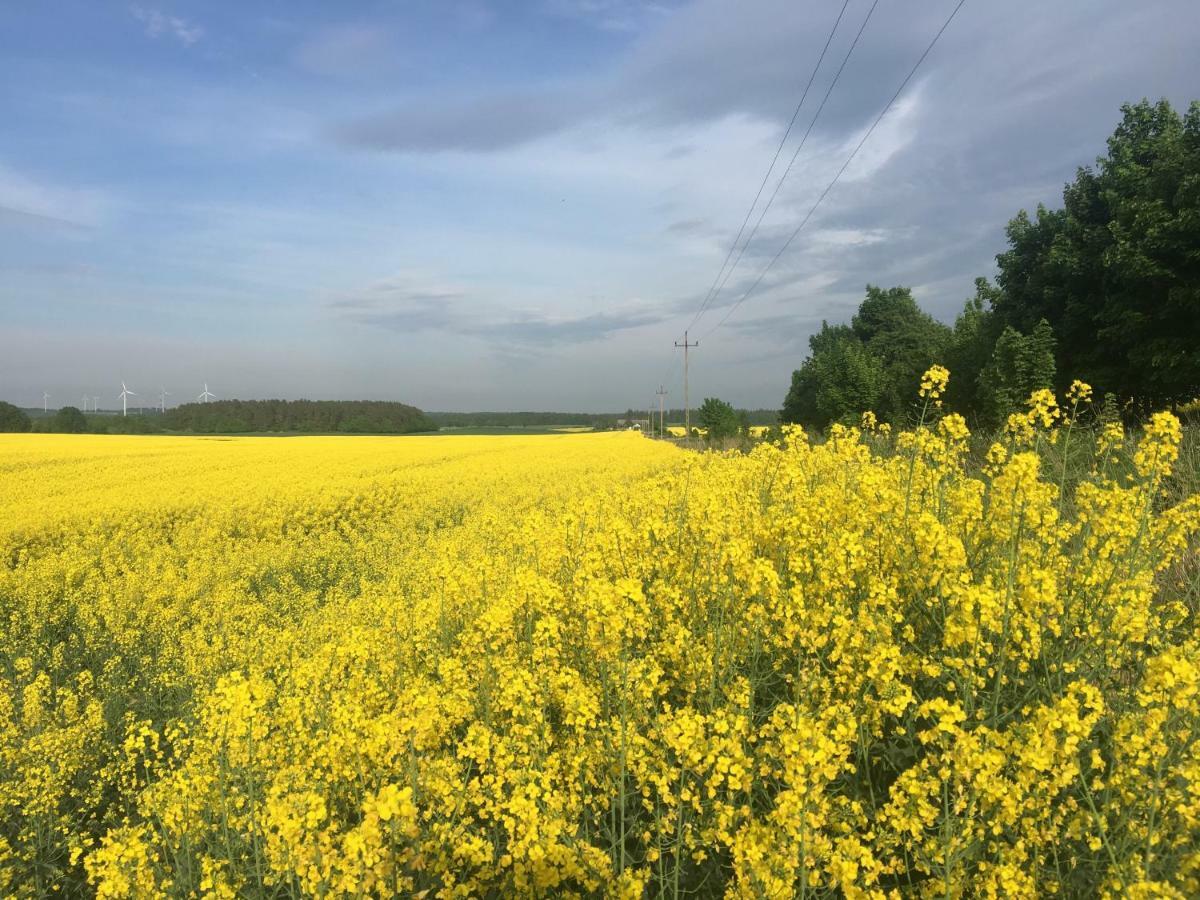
{"x": 687, "y": 409}
{"x": 661, "y": 393}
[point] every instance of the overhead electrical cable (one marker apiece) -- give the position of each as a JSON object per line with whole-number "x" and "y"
{"x": 732, "y": 309}
{"x": 795, "y": 155}
{"x": 713, "y": 289}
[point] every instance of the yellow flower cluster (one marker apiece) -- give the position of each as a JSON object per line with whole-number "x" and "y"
{"x": 596, "y": 665}
{"x": 934, "y": 382}
{"x": 1079, "y": 392}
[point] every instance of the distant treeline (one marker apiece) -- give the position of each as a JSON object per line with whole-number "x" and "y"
{"x": 313, "y": 416}
{"x": 324, "y": 417}
{"x": 1105, "y": 290}
{"x": 744, "y": 416}
{"x": 598, "y": 421}
{"x": 521, "y": 419}
{"x": 72, "y": 420}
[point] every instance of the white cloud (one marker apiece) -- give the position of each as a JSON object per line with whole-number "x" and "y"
{"x": 158, "y": 23}
{"x": 345, "y": 49}
{"x": 561, "y": 207}
{"x": 610, "y": 15}
{"x": 411, "y": 302}
{"x": 74, "y": 207}
{"x": 475, "y": 15}
{"x": 896, "y": 131}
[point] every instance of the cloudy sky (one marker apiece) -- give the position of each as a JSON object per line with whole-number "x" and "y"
{"x": 494, "y": 204}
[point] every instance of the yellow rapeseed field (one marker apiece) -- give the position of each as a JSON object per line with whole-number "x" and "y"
{"x": 596, "y": 664}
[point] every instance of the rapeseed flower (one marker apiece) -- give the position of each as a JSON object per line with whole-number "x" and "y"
{"x": 582, "y": 665}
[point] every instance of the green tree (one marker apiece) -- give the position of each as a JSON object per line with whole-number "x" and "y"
{"x": 905, "y": 340}
{"x": 70, "y": 420}
{"x": 1106, "y": 289}
{"x": 1020, "y": 365}
{"x": 970, "y": 350}
{"x": 12, "y": 418}
{"x": 839, "y": 380}
{"x": 1115, "y": 272}
{"x": 718, "y": 417}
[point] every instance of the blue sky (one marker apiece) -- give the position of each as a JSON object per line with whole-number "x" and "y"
{"x": 487, "y": 205}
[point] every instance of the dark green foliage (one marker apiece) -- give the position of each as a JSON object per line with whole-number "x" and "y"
{"x": 904, "y": 339}
{"x": 69, "y": 420}
{"x": 319, "y": 416}
{"x": 969, "y": 351}
{"x": 839, "y": 380}
{"x": 599, "y": 421}
{"x": 1110, "y": 409}
{"x": 131, "y": 424}
{"x": 525, "y": 419}
{"x": 760, "y": 416}
{"x": 718, "y": 417}
{"x": 875, "y": 363}
{"x": 746, "y": 417}
{"x": 1020, "y": 365}
{"x": 1116, "y": 272}
{"x": 1106, "y": 290}
{"x": 13, "y": 418}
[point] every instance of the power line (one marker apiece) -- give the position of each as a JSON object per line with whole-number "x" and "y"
{"x": 713, "y": 290}
{"x": 817, "y": 115}
{"x": 840, "y": 171}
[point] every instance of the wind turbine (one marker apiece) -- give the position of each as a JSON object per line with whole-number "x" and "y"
{"x": 85, "y": 399}
{"x": 126, "y": 393}
{"x": 45, "y": 402}
{"x": 95, "y": 404}
{"x": 206, "y": 396}
{"x": 163, "y": 394}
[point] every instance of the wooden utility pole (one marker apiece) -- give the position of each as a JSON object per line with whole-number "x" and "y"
{"x": 661, "y": 393}
{"x": 687, "y": 409}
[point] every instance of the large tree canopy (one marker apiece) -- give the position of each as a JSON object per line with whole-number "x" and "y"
{"x": 1106, "y": 290}
{"x": 1116, "y": 271}
{"x": 874, "y": 363}
{"x": 840, "y": 379}
{"x": 904, "y": 339}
